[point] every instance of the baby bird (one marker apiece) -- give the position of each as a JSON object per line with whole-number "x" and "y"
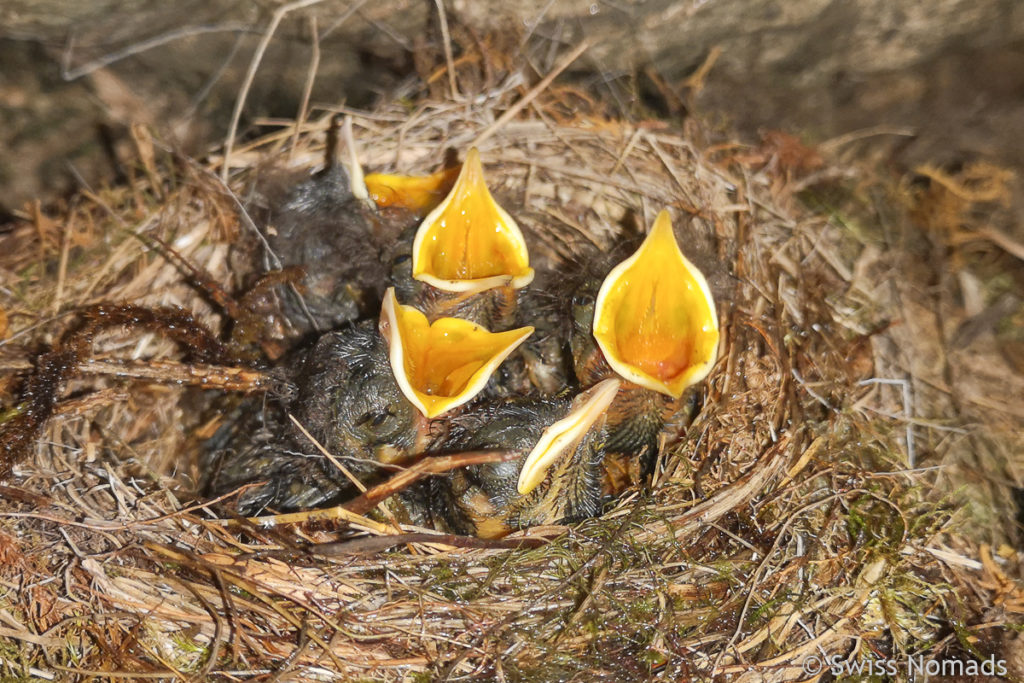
{"x": 443, "y": 364}
{"x": 329, "y": 227}
{"x": 345, "y": 396}
{"x": 645, "y": 314}
{"x": 467, "y": 258}
{"x": 557, "y": 480}
{"x": 367, "y": 394}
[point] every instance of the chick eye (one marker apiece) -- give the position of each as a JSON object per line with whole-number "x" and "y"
{"x": 375, "y": 418}
{"x": 583, "y": 300}
{"x": 400, "y": 259}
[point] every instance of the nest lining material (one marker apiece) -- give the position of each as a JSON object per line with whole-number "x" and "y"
{"x": 782, "y": 523}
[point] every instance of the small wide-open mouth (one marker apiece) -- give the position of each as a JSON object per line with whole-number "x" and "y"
{"x": 655, "y": 319}
{"x": 443, "y": 364}
{"x": 468, "y": 243}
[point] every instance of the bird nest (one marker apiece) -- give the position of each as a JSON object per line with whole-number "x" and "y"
{"x": 785, "y": 524}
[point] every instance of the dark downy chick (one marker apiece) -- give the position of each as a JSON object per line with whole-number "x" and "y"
{"x": 494, "y": 308}
{"x": 638, "y": 415}
{"x": 446, "y": 363}
{"x": 345, "y": 396}
{"x": 258, "y": 446}
{"x": 638, "y": 329}
{"x": 564, "y": 349}
{"x": 328, "y": 227}
{"x": 558, "y": 479}
{"x": 349, "y": 400}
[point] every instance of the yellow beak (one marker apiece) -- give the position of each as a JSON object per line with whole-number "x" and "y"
{"x": 562, "y": 437}
{"x": 418, "y": 194}
{"x": 442, "y": 365}
{"x": 468, "y": 243}
{"x": 655, "y": 319}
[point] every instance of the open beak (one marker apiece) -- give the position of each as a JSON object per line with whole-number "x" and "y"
{"x": 418, "y": 194}
{"x": 468, "y": 243}
{"x": 562, "y": 437}
{"x": 654, "y": 318}
{"x": 443, "y": 364}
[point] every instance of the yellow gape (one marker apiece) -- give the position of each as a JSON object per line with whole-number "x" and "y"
{"x": 418, "y": 194}
{"x": 468, "y": 243}
{"x": 442, "y": 365}
{"x": 654, "y": 318}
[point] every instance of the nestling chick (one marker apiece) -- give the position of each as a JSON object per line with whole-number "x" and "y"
{"x": 366, "y": 393}
{"x": 467, "y": 258}
{"x": 557, "y": 480}
{"x": 644, "y": 313}
{"x": 329, "y": 227}
{"x": 346, "y": 397}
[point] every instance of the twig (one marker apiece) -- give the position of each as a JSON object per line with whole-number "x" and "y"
{"x": 696, "y": 81}
{"x": 1003, "y": 241}
{"x": 137, "y": 48}
{"x": 340, "y": 21}
{"x": 949, "y": 557}
{"x": 289, "y": 662}
{"x": 114, "y": 526}
{"x": 307, "y": 89}
{"x": 31, "y": 671}
{"x": 532, "y": 94}
{"x": 831, "y": 146}
{"x": 204, "y": 91}
{"x": 354, "y": 510}
{"x": 167, "y": 371}
{"x": 534, "y": 23}
{"x": 309, "y": 517}
{"x": 250, "y": 75}
{"x": 431, "y": 464}
{"x": 908, "y": 411}
{"x": 213, "y": 654}
{"x": 684, "y": 189}
{"x": 62, "y": 268}
{"x": 243, "y": 213}
{"x": 633, "y": 139}
{"x": 369, "y": 545}
{"x": 327, "y": 454}
{"x": 29, "y": 637}
{"x": 80, "y": 404}
{"x": 442, "y": 19}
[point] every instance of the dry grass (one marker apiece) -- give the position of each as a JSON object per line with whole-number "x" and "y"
{"x": 811, "y": 509}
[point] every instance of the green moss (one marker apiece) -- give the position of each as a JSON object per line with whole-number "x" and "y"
{"x": 873, "y": 523}
{"x": 642, "y": 609}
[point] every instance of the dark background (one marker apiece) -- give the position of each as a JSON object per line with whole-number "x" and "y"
{"x": 941, "y": 81}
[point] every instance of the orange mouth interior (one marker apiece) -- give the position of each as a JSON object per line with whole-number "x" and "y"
{"x": 655, "y": 318}
{"x": 446, "y": 363}
{"x": 468, "y": 242}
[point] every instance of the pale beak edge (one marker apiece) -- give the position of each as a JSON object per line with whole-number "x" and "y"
{"x": 659, "y": 247}
{"x": 431, "y": 405}
{"x": 565, "y": 434}
{"x": 506, "y": 239}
